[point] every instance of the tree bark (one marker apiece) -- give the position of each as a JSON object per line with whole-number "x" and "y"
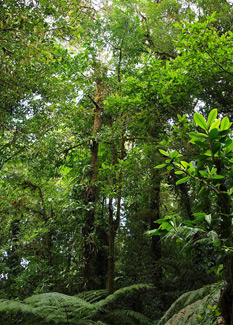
{"x": 156, "y": 251}
{"x": 91, "y": 194}
{"x": 114, "y": 223}
{"x": 155, "y": 213}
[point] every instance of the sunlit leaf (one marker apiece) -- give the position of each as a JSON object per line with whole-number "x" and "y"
{"x": 225, "y": 124}
{"x": 183, "y": 180}
{"x": 217, "y": 177}
{"x": 161, "y": 166}
{"x": 200, "y": 121}
{"x": 179, "y": 172}
{"x": 211, "y": 117}
{"x": 215, "y": 125}
{"x": 163, "y": 152}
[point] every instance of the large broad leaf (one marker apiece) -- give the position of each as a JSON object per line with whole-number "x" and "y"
{"x": 216, "y": 146}
{"x": 212, "y": 116}
{"x": 228, "y": 147}
{"x": 166, "y": 226}
{"x": 225, "y": 124}
{"x": 213, "y": 134}
{"x": 215, "y": 125}
{"x": 199, "y": 120}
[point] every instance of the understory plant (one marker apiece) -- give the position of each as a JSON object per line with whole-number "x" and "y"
{"x": 210, "y": 170}
{"x": 85, "y": 308}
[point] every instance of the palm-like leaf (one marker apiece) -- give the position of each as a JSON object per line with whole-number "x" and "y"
{"x": 57, "y": 308}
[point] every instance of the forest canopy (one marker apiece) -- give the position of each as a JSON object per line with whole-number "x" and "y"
{"x": 116, "y": 157}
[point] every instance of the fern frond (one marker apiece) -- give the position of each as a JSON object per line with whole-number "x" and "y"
{"x": 195, "y": 302}
{"x": 57, "y": 308}
{"x": 14, "y": 306}
{"x": 127, "y": 317}
{"x": 138, "y": 317}
{"x": 87, "y": 322}
{"x": 121, "y": 292}
{"x": 56, "y": 299}
{"x": 93, "y": 296}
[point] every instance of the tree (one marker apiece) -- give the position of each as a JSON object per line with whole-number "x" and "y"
{"x": 211, "y": 169}
{"x": 90, "y": 92}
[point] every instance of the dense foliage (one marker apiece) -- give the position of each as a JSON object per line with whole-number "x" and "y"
{"x": 116, "y": 156}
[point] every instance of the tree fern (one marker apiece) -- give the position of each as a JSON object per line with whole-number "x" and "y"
{"x": 102, "y": 307}
{"x": 121, "y": 292}
{"x": 191, "y": 304}
{"x": 57, "y": 308}
{"x": 93, "y": 296}
{"x": 128, "y": 317}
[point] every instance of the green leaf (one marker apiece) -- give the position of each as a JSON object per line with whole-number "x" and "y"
{"x": 179, "y": 172}
{"x": 163, "y": 152}
{"x": 161, "y": 166}
{"x": 211, "y": 117}
{"x": 157, "y": 232}
{"x": 200, "y": 121}
{"x": 160, "y": 221}
{"x": 215, "y": 125}
{"x": 195, "y": 141}
{"x": 199, "y": 214}
{"x": 213, "y": 134}
{"x": 183, "y": 180}
{"x": 184, "y": 164}
{"x": 213, "y": 171}
{"x": 197, "y": 135}
{"x": 228, "y": 148}
{"x": 202, "y": 190}
{"x": 223, "y": 133}
{"x": 166, "y": 225}
{"x": 207, "y": 153}
{"x": 175, "y": 154}
{"x": 216, "y": 146}
{"x": 225, "y": 124}
{"x": 204, "y": 173}
{"x": 217, "y": 176}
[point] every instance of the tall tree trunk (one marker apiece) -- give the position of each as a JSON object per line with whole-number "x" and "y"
{"x": 155, "y": 213}
{"x": 185, "y": 201}
{"x": 114, "y": 222}
{"x": 91, "y": 194}
{"x": 156, "y": 251}
{"x": 13, "y": 258}
{"x": 111, "y": 241}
